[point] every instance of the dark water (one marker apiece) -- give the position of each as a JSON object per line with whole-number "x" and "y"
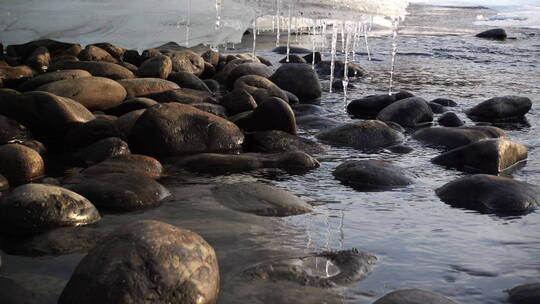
{"x": 420, "y": 241}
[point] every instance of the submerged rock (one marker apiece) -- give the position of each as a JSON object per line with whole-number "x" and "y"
{"x": 413, "y": 296}
{"x": 445, "y": 102}
{"x": 364, "y": 135}
{"x": 229, "y": 163}
{"x": 412, "y": 112}
{"x": 487, "y": 156}
{"x": 278, "y": 141}
{"x": 370, "y": 106}
{"x": 260, "y": 199}
{"x": 496, "y": 34}
{"x": 491, "y": 194}
{"x": 372, "y": 174}
{"x": 525, "y": 294}
{"x": 315, "y": 122}
{"x": 146, "y": 262}
{"x": 501, "y": 109}
{"x": 20, "y": 164}
{"x": 35, "y": 208}
{"x": 451, "y": 138}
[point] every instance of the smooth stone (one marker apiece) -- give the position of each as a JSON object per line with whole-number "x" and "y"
{"x": 13, "y": 76}
{"x": 56, "y": 48}
{"x": 133, "y": 68}
{"x": 272, "y": 114}
{"x": 189, "y": 81}
{"x": 437, "y": 108}
{"x": 185, "y": 96}
{"x": 451, "y": 138}
{"x": 176, "y": 129}
{"x": 490, "y": 156}
{"x": 211, "y": 108}
{"x": 121, "y": 192}
{"x": 33, "y": 83}
{"x": 525, "y": 294}
{"x": 450, "y": 119}
{"x": 95, "y": 93}
{"x": 400, "y": 149}
{"x": 212, "y": 85}
{"x": 102, "y": 150}
{"x": 278, "y": 141}
{"x": 250, "y": 68}
{"x": 299, "y": 79}
{"x": 314, "y": 122}
{"x": 4, "y": 183}
{"x": 323, "y": 68}
{"x": 410, "y": 112}
{"x": 238, "y": 101}
{"x": 115, "y": 51}
{"x": 95, "y": 53}
{"x": 338, "y": 85}
{"x": 500, "y": 109}
{"x": 413, "y": 296}
{"x": 372, "y": 174}
{"x": 445, "y": 102}
{"x": 146, "y": 262}
{"x": 292, "y": 50}
{"x": 364, "y": 135}
{"x": 293, "y": 99}
{"x": 132, "y": 104}
{"x": 35, "y": 145}
{"x": 20, "y": 164}
{"x": 126, "y": 122}
{"x": 260, "y": 88}
{"x": 39, "y": 59}
{"x": 224, "y": 69}
{"x": 232, "y": 163}
{"x": 133, "y": 164}
{"x": 260, "y": 199}
{"x": 293, "y": 58}
{"x": 12, "y": 131}
{"x": 490, "y": 194}
{"x": 35, "y": 208}
{"x": 211, "y": 57}
{"x": 138, "y": 87}
{"x": 155, "y": 67}
{"x": 13, "y": 293}
{"x": 133, "y": 57}
{"x": 186, "y": 61}
{"x": 96, "y": 68}
{"x": 208, "y": 72}
{"x": 496, "y": 34}
{"x": 309, "y": 58}
{"x": 370, "y": 106}
{"x": 90, "y": 132}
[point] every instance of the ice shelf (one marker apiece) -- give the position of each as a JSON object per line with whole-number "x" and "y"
{"x": 141, "y": 24}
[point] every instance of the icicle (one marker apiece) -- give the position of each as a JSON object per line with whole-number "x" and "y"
{"x": 342, "y": 37}
{"x": 254, "y": 36}
{"x": 188, "y": 22}
{"x": 324, "y": 34}
{"x": 273, "y": 24}
{"x": 367, "y": 44}
{"x": 345, "y": 80}
{"x": 313, "y": 38}
{"x": 395, "y": 23}
{"x": 355, "y": 43}
{"x": 218, "y": 14}
{"x": 278, "y": 17}
{"x": 289, "y": 35}
{"x": 332, "y": 62}
{"x": 296, "y": 29}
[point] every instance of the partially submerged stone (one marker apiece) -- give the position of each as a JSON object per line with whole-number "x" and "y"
{"x": 451, "y": 138}
{"x": 372, "y": 174}
{"x": 506, "y": 108}
{"x": 525, "y": 294}
{"x": 278, "y": 141}
{"x": 130, "y": 164}
{"x": 412, "y": 112}
{"x": 413, "y": 296}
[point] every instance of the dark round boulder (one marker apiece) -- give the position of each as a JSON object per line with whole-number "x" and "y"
{"x": 186, "y": 61}
{"x": 501, "y": 109}
{"x": 490, "y": 194}
{"x": 496, "y": 34}
{"x": 276, "y": 141}
{"x": 445, "y": 102}
{"x": 96, "y": 68}
{"x": 324, "y": 68}
{"x": 412, "y": 112}
{"x": 238, "y": 101}
{"x": 364, "y": 135}
{"x": 211, "y": 57}
{"x": 146, "y": 86}
{"x": 39, "y": 59}
{"x": 525, "y": 294}
{"x": 372, "y": 174}
{"x": 212, "y": 85}
{"x": 299, "y": 79}
{"x": 95, "y": 53}
{"x": 90, "y": 132}
{"x": 309, "y": 58}
{"x": 102, "y": 150}
{"x": 146, "y": 262}
{"x": 185, "y": 96}
{"x": 56, "y": 48}
{"x": 155, "y": 67}
{"x": 315, "y": 122}
{"x": 293, "y": 58}
{"x": 259, "y": 87}
{"x": 450, "y": 119}
{"x": 292, "y": 50}
{"x": 308, "y": 109}
{"x": 35, "y": 208}
{"x": 121, "y": 192}
{"x": 370, "y": 106}
{"x": 115, "y": 51}
{"x": 189, "y": 81}
{"x": 132, "y": 104}
{"x": 20, "y": 164}
{"x": 33, "y": 83}
{"x": 133, "y": 164}
{"x": 126, "y": 122}
{"x": 272, "y": 114}
{"x": 211, "y": 108}
{"x": 250, "y": 68}
{"x": 451, "y": 138}
{"x": 224, "y": 69}
{"x": 14, "y": 76}
{"x": 11, "y": 130}
{"x": 173, "y": 128}
{"x": 437, "y": 108}
{"x": 4, "y": 183}
{"x": 413, "y": 296}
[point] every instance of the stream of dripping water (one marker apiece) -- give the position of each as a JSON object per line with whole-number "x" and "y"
{"x": 313, "y": 38}
{"x": 332, "y": 62}
{"x": 345, "y": 80}
{"x": 254, "y": 36}
{"x": 395, "y": 23}
{"x": 366, "y": 39}
{"x": 218, "y": 14}
{"x": 289, "y": 35}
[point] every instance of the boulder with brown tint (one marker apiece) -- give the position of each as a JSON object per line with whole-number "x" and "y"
{"x": 146, "y": 86}
{"x": 20, "y": 164}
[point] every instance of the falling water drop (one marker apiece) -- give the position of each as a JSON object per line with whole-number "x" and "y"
{"x": 254, "y": 36}
{"x": 367, "y": 44}
{"x": 332, "y": 62}
{"x": 218, "y": 14}
{"x": 188, "y": 22}
{"x": 395, "y": 23}
{"x": 289, "y": 35}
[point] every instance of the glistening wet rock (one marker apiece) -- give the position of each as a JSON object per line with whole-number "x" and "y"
{"x": 238, "y": 101}
{"x": 496, "y": 34}
{"x": 299, "y": 79}
{"x": 102, "y": 150}
{"x": 272, "y": 114}
{"x": 278, "y": 141}
{"x": 370, "y": 106}
{"x": 35, "y": 208}
{"x": 188, "y": 80}
{"x": 413, "y": 296}
{"x": 451, "y": 138}
{"x": 260, "y": 88}
{"x": 314, "y": 122}
{"x": 11, "y": 130}
{"x": 146, "y": 86}
{"x": 20, "y": 164}
{"x": 364, "y": 135}
{"x": 96, "y": 68}
{"x": 490, "y": 194}
{"x": 133, "y": 164}
{"x": 146, "y": 262}
{"x": 372, "y": 174}
{"x": 525, "y": 294}
{"x": 131, "y": 104}
{"x": 33, "y": 83}
{"x": 155, "y": 67}
{"x": 260, "y": 199}
{"x": 504, "y": 108}
{"x": 412, "y": 112}
{"x": 487, "y": 156}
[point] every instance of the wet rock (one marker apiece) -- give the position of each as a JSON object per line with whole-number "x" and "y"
{"x": 102, "y": 150}
{"x": 133, "y": 68}
{"x": 525, "y": 294}
{"x": 186, "y": 61}
{"x": 132, "y": 104}
{"x": 115, "y": 51}
{"x": 121, "y": 192}
{"x": 33, "y": 83}
{"x": 35, "y": 145}
{"x": 296, "y": 162}
{"x": 353, "y": 70}
{"x": 299, "y": 79}
{"x": 264, "y": 61}
{"x": 208, "y": 72}
{"x": 4, "y": 183}
{"x": 496, "y": 34}
{"x": 95, "y": 53}
{"x": 238, "y": 101}
{"x": 96, "y": 68}
{"x": 95, "y": 93}
{"x": 172, "y": 129}
{"x": 490, "y": 194}
{"x": 308, "y": 109}
{"x": 149, "y": 53}
{"x": 90, "y": 132}
{"x": 293, "y": 59}
{"x": 309, "y": 58}
{"x": 35, "y": 208}
{"x": 211, "y": 108}
{"x": 39, "y": 59}
{"x": 133, "y": 57}
{"x": 400, "y": 149}
{"x": 211, "y": 57}
{"x": 445, "y": 102}
{"x": 278, "y": 141}
{"x": 56, "y": 48}
{"x": 413, "y": 296}
{"x": 293, "y": 99}
{"x": 370, "y": 106}
{"x": 338, "y": 85}
{"x": 292, "y": 50}
{"x": 212, "y": 85}
{"x": 224, "y": 69}
{"x": 487, "y": 156}
{"x": 372, "y": 174}
{"x": 272, "y": 114}
{"x": 185, "y": 96}
{"x": 314, "y": 122}
{"x": 500, "y": 109}
{"x": 410, "y": 112}
{"x": 250, "y": 68}
{"x": 259, "y": 87}
{"x": 450, "y": 119}
{"x": 126, "y": 122}
{"x": 451, "y": 138}
{"x": 62, "y": 113}
{"x": 132, "y": 164}
{"x": 437, "y": 108}
{"x": 11, "y": 130}
{"x": 146, "y": 261}
{"x": 146, "y": 86}
{"x": 20, "y": 164}
{"x": 260, "y": 199}
{"x": 14, "y": 76}
{"x": 13, "y": 293}
{"x": 364, "y": 135}
{"x": 155, "y": 67}
{"x": 188, "y": 80}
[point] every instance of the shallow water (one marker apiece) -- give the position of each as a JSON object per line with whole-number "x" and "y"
{"x": 420, "y": 241}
